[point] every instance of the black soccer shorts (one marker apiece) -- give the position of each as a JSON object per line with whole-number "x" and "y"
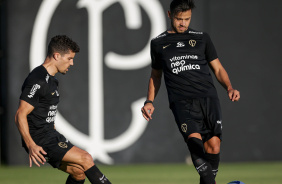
{"x": 55, "y": 145}
{"x": 198, "y": 115}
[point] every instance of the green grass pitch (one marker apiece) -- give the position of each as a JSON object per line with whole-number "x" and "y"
{"x": 249, "y": 173}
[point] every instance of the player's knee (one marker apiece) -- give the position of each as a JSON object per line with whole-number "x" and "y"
{"x": 87, "y": 161}
{"x": 78, "y": 174}
{"x": 212, "y": 146}
{"x": 214, "y": 149}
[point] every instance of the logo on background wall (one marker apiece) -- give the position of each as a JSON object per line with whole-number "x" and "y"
{"x": 95, "y": 143}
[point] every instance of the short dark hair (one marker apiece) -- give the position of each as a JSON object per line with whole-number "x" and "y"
{"x": 177, "y": 6}
{"x": 62, "y": 44}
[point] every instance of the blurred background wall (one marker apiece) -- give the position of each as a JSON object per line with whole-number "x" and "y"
{"x": 102, "y": 94}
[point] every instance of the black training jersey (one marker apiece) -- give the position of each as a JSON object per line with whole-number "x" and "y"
{"x": 184, "y": 60}
{"x": 40, "y": 89}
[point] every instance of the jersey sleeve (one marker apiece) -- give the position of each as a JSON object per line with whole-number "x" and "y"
{"x": 210, "y": 51}
{"x": 156, "y": 62}
{"x": 32, "y": 91}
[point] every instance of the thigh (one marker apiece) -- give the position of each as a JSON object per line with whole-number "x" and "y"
{"x": 56, "y": 146}
{"x": 76, "y": 156}
{"x": 189, "y": 117}
{"x": 213, "y": 118}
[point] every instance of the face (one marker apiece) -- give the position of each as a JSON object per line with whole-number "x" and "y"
{"x": 180, "y": 21}
{"x": 64, "y": 62}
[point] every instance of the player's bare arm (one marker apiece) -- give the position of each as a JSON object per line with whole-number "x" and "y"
{"x": 222, "y": 77}
{"x": 35, "y": 152}
{"x": 153, "y": 88}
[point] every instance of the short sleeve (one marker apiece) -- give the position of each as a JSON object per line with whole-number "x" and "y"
{"x": 156, "y": 62}
{"x": 31, "y": 92}
{"x": 210, "y": 51}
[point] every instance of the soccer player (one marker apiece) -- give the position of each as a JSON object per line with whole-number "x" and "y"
{"x": 36, "y": 115}
{"x": 184, "y": 56}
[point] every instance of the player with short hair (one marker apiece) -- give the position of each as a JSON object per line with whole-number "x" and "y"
{"x": 35, "y": 117}
{"x": 184, "y": 56}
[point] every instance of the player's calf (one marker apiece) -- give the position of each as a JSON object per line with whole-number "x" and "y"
{"x": 203, "y": 167}
{"x": 95, "y": 176}
{"x": 213, "y": 159}
{"x": 71, "y": 180}
{"x": 78, "y": 174}
{"x": 212, "y": 149}
{"x": 91, "y": 170}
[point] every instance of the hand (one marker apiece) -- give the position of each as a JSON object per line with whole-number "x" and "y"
{"x": 147, "y": 111}
{"x": 234, "y": 95}
{"x": 36, "y": 153}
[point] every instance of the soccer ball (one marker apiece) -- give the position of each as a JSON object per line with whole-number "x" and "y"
{"x": 236, "y": 182}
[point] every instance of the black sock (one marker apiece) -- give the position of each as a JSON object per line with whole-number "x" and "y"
{"x": 70, "y": 180}
{"x": 203, "y": 167}
{"x": 213, "y": 159}
{"x": 95, "y": 176}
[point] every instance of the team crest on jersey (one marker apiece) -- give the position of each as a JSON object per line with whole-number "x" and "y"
{"x": 192, "y": 43}
{"x": 180, "y": 44}
{"x": 33, "y": 90}
{"x": 184, "y": 127}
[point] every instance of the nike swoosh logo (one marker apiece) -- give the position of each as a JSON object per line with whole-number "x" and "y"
{"x": 166, "y": 46}
{"x": 102, "y": 178}
{"x": 197, "y": 168}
